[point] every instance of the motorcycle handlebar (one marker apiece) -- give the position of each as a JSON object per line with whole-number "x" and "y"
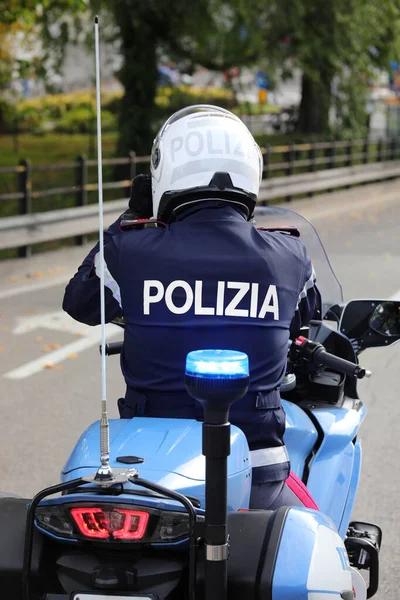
{"x": 316, "y": 354}
{"x": 113, "y": 348}
{"x": 339, "y": 364}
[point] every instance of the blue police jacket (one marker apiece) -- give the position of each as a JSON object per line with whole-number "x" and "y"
{"x": 210, "y": 279}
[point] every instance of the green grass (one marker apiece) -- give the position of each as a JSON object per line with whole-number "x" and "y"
{"x": 257, "y": 109}
{"x": 52, "y": 147}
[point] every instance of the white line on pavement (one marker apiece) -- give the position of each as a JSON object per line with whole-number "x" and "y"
{"x": 52, "y": 358}
{"x": 34, "y": 287}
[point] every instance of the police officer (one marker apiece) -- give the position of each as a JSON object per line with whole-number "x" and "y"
{"x": 204, "y": 277}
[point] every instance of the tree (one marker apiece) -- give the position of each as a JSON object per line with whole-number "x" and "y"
{"x": 15, "y": 19}
{"x": 206, "y": 32}
{"x": 24, "y": 22}
{"x": 341, "y": 39}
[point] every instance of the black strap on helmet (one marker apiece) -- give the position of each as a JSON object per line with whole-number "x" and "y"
{"x": 220, "y": 188}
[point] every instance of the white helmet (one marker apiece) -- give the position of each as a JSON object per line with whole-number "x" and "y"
{"x": 202, "y": 152}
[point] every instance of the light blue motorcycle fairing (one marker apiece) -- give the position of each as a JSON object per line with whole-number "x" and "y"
{"x": 355, "y": 478}
{"x": 300, "y": 436}
{"x": 297, "y": 545}
{"x": 171, "y": 449}
{"x": 335, "y": 468}
{"x": 172, "y": 452}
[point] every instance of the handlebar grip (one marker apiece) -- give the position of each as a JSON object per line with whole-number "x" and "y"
{"x": 113, "y": 348}
{"x": 338, "y": 364}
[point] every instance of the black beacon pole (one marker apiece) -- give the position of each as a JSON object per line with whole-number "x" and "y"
{"x": 216, "y": 386}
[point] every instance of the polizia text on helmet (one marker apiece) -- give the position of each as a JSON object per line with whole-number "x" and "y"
{"x": 212, "y": 141}
{"x": 154, "y": 292}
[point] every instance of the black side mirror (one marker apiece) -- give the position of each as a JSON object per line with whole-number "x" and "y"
{"x": 371, "y": 323}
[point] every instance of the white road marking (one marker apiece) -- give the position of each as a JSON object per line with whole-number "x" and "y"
{"x": 58, "y": 320}
{"x": 34, "y": 287}
{"x": 35, "y": 366}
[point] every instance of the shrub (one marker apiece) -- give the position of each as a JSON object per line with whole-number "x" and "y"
{"x": 8, "y": 117}
{"x": 54, "y": 106}
{"x": 169, "y": 100}
{"x": 75, "y": 113}
{"x": 83, "y": 120}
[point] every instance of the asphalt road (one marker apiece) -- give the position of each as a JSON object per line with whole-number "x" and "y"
{"x": 50, "y": 365}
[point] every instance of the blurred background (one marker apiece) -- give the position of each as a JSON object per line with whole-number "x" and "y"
{"x": 306, "y": 68}
{"x": 318, "y": 84}
{"x": 296, "y": 71}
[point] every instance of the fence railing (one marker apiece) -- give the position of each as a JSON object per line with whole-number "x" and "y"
{"x": 289, "y": 171}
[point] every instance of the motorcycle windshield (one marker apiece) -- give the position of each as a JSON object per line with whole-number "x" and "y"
{"x": 328, "y": 286}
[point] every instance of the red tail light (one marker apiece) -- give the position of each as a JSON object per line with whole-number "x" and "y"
{"x": 116, "y": 523}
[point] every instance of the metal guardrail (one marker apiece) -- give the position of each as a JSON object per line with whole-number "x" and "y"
{"x": 30, "y": 228}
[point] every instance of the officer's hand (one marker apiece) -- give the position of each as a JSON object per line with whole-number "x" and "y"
{"x": 141, "y": 201}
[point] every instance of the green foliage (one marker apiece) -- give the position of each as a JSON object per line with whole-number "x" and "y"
{"x": 76, "y": 113}
{"x": 50, "y": 148}
{"x": 12, "y": 11}
{"x": 325, "y": 39}
{"x": 169, "y": 100}
{"x": 83, "y": 120}
{"x": 8, "y": 116}
{"x": 55, "y": 105}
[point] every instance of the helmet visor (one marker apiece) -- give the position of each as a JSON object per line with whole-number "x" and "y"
{"x": 203, "y": 110}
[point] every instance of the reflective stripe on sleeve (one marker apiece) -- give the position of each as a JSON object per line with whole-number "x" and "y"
{"x": 308, "y": 285}
{"x": 109, "y": 280}
{"x": 269, "y": 456}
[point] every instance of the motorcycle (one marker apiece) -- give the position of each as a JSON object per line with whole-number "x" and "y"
{"x": 174, "y": 521}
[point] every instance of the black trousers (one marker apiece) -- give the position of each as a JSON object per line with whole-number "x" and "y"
{"x": 270, "y": 496}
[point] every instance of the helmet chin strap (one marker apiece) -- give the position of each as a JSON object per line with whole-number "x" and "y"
{"x": 220, "y": 188}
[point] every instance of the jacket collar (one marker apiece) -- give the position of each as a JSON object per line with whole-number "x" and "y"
{"x": 210, "y": 210}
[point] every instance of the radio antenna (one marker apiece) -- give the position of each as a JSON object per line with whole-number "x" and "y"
{"x": 104, "y": 472}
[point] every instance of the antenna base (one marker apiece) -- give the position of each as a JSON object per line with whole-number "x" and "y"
{"x": 104, "y": 473}
{"x": 107, "y": 478}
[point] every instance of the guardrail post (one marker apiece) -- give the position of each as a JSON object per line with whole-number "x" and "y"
{"x": 393, "y": 148}
{"x": 289, "y": 171}
{"x": 349, "y": 156}
{"x": 81, "y": 179}
{"x": 132, "y": 168}
{"x": 365, "y": 151}
{"x": 266, "y": 170}
{"x": 312, "y": 164}
{"x": 267, "y": 162}
{"x": 331, "y": 154}
{"x": 25, "y": 203}
{"x": 132, "y": 164}
{"x": 379, "y": 151}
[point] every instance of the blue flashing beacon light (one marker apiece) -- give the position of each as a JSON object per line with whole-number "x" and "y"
{"x": 217, "y": 364}
{"x": 216, "y": 379}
